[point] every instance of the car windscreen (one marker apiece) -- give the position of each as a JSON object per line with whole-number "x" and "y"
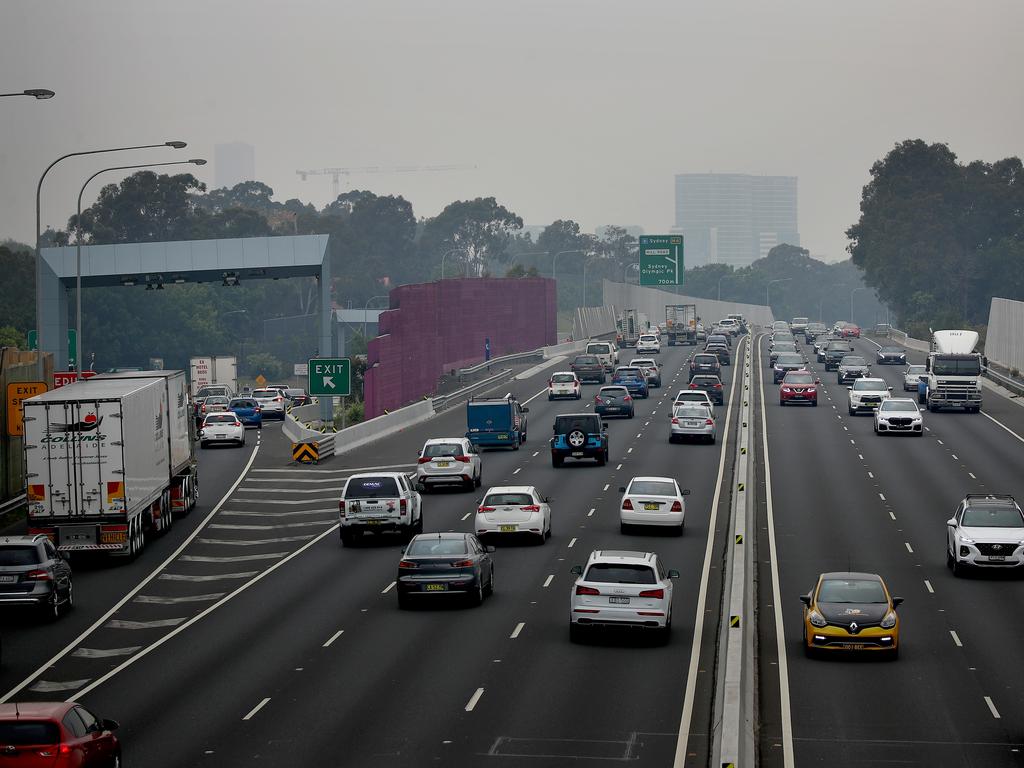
{"x": 970, "y": 366}
{"x": 598, "y": 349}
{"x": 23, "y": 733}
{"x": 563, "y": 378}
{"x": 853, "y": 360}
{"x": 427, "y": 547}
{"x": 790, "y": 359}
{"x": 869, "y": 386}
{"x": 992, "y": 516}
{"x": 851, "y": 591}
{"x": 442, "y": 449}
{"x": 218, "y": 418}
{"x": 901, "y": 406}
{"x": 891, "y": 351}
{"x": 621, "y": 573}
{"x": 566, "y": 424}
{"x": 371, "y": 488}
{"x": 18, "y": 556}
{"x": 507, "y": 500}
{"x": 800, "y": 378}
{"x": 243, "y": 404}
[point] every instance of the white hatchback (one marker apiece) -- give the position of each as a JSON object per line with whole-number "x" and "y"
{"x": 514, "y": 509}
{"x": 271, "y": 402}
{"x": 449, "y": 461}
{"x": 698, "y": 396}
{"x": 222, "y": 428}
{"x": 621, "y": 589}
{"x": 648, "y": 344}
{"x": 653, "y": 501}
{"x": 564, "y": 384}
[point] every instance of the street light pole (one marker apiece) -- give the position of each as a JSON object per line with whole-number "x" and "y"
{"x": 444, "y": 256}
{"x": 585, "y": 262}
{"x": 767, "y": 287}
{"x": 726, "y": 277}
{"x": 626, "y": 267}
{"x": 78, "y": 247}
{"x": 366, "y": 309}
{"x": 39, "y": 93}
{"x": 822, "y": 299}
{"x": 39, "y": 236}
{"x": 862, "y": 288}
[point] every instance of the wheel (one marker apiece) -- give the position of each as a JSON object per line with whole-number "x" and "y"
{"x": 919, "y": 434}
{"x": 203, "y": 444}
{"x": 403, "y": 602}
{"x": 479, "y": 478}
{"x": 808, "y": 651}
{"x": 550, "y": 398}
{"x": 576, "y": 633}
{"x": 490, "y": 583}
{"x": 346, "y": 539}
{"x": 469, "y": 485}
{"x": 665, "y": 634}
{"x": 852, "y": 411}
{"x": 624, "y": 528}
{"x": 958, "y": 568}
{"x": 69, "y": 598}
{"x": 894, "y": 654}
{"x": 782, "y": 402}
{"x": 557, "y": 461}
{"x": 476, "y": 597}
{"x": 815, "y": 403}
{"x": 51, "y": 609}
{"x": 602, "y": 459}
{"x": 711, "y": 439}
{"x": 418, "y": 528}
{"x": 679, "y": 531}
{"x": 949, "y": 559}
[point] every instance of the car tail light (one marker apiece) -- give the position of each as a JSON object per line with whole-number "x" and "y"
{"x": 423, "y": 460}
{"x": 278, "y": 399}
{"x": 675, "y": 420}
{"x": 341, "y": 507}
{"x": 587, "y": 591}
{"x": 551, "y": 382}
{"x": 709, "y": 422}
{"x": 38, "y": 575}
{"x": 598, "y": 400}
{"x": 530, "y": 508}
{"x": 718, "y": 386}
{"x": 692, "y": 385}
{"x": 403, "y": 506}
{"x": 627, "y": 504}
{"x": 463, "y": 459}
{"x": 658, "y": 594}
{"x": 462, "y": 564}
{"x": 407, "y": 564}
{"x": 676, "y": 506}
{"x": 627, "y": 399}
{"x": 485, "y": 509}
{"x": 237, "y": 424}
{"x": 256, "y": 409}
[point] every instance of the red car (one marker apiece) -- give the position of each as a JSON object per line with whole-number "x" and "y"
{"x": 799, "y": 387}
{"x": 850, "y": 331}
{"x": 56, "y": 734}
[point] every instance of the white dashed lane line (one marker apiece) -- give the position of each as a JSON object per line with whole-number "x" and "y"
{"x": 955, "y": 457}
{"x": 871, "y": 475}
{"x": 618, "y": 468}
{"x": 536, "y": 454}
{"x": 466, "y": 515}
{"x": 972, "y": 476}
{"x": 928, "y": 586}
{"x": 548, "y": 580}
{"x": 992, "y": 708}
{"x": 474, "y": 699}
{"x": 606, "y": 486}
{"x": 910, "y": 549}
{"x": 590, "y": 513}
{"x": 517, "y": 630}
{"x": 572, "y": 542}
{"x": 256, "y": 709}
{"x": 517, "y": 470}
{"x": 388, "y": 588}
{"x": 333, "y": 637}
{"x": 956, "y": 639}
{"x": 881, "y": 496}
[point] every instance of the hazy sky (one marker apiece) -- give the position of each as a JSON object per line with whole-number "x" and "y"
{"x": 579, "y": 109}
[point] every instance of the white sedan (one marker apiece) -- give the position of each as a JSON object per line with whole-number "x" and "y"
{"x": 899, "y": 414}
{"x": 652, "y": 501}
{"x": 222, "y": 428}
{"x": 449, "y": 461}
{"x": 564, "y": 384}
{"x": 912, "y": 376}
{"x": 514, "y": 509}
{"x": 648, "y": 344}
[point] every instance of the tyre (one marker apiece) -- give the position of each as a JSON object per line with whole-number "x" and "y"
{"x": 664, "y": 635}
{"x": 490, "y": 583}
{"x": 418, "y": 528}
{"x": 852, "y": 411}
{"x": 958, "y": 568}
{"x": 203, "y": 444}
{"x": 602, "y": 459}
{"x": 469, "y": 485}
{"x": 949, "y": 559}
{"x": 624, "y": 528}
{"x": 782, "y": 402}
{"x": 815, "y": 403}
{"x": 479, "y": 478}
{"x": 51, "y": 609}
{"x": 576, "y": 633}
{"x": 557, "y": 461}
{"x": 346, "y": 539}
{"x": 550, "y": 398}
{"x": 476, "y": 597}
{"x": 808, "y": 651}
{"x": 894, "y": 654}
{"x": 403, "y": 602}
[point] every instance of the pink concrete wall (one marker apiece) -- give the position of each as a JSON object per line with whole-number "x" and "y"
{"x": 435, "y": 327}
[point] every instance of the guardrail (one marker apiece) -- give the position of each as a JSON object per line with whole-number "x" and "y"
{"x": 441, "y": 402}
{"x": 535, "y": 354}
{"x": 1014, "y": 385}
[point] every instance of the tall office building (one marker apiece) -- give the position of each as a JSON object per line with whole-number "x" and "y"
{"x": 233, "y": 163}
{"x": 734, "y": 218}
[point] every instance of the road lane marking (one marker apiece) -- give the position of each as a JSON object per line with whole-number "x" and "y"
{"x": 527, "y": 402}
{"x": 256, "y": 709}
{"x": 245, "y": 527}
{"x": 972, "y": 476}
{"x": 571, "y": 543}
{"x": 471, "y": 705}
{"x": 517, "y": 630}
{"x": 606, "y": 485}
{"x": 215, "y": 577}
{"x": 992, "y": 708}
{"x": 104, "y": 653}
{"x": 871, "y": 475}
{"x": 996, "y": 421}
{"x": 233, "y": 559}
{"x": 388, "y": 588}
{"x": 547, "y": 581}
{"x": 332, "y": 638}
{"x": 161, "y": 600}
{"x": 536, "y": 454}
{"x": 892, "y": 515}
{"x": 293, "y": 513}
{"x": 155, "y": 624}
{"x": 517, "y": 470}
{"x": 956, "y": 639}
{"x": 860, "y": 456}
{"x": 628, "y": 450}
{"x": 928, "y": 586}
{"x": 910, "y": 549}
{"x": 618, "y": 468}
{"x": 954, "y": 456}
{"x": 52, "y": 686}
{"x": 881, "y": 496}
{"x": 590, "y": 513}
{"x": 939, "y": 441}
{"x": 466, "y": 515}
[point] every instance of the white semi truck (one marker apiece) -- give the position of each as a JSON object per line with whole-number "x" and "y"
{"x": 219, "y": 369}
{"x": 954, "y": 371}
{"x": 109, "y": 459}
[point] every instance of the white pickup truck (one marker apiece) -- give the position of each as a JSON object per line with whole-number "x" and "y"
{"x": 606, "y": 353}
{"x": 379, "y": 502}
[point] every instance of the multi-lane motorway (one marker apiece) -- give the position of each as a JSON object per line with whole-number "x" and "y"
{"x": 248, "y": 634}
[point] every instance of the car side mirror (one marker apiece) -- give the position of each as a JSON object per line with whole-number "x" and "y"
{"x": 490, "y": 548}
{"x": 109, "y": 725}
{"x": 554, "y": 428}
{"x": 673, "y": 574}
{"x": 849, "y": 389}
{"x": 577, "y": 570}
{"x": 604, "y": 426}
{"x": 817, "y": 381}
{"x": 548, "y": 499}
{"x": 526, "y": 410}
{"x": 889, "y": 388}
{"x": 200, "y": 433}
{"x": 622, "y": 489}
{"x": 897, "y": 601}
{"x": 686, "y": 491}
{"x": 806, "y": 599}
{"x": 951, "y": 522}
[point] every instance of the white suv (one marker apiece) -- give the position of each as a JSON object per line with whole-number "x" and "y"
{"x": 564, "y": 384}
{"x": 378, "y": 502}
{"x": 606, "y": 352}
{"x": 648, "y": 344}
{"x": 898, "y": 414}
{"x": 271, "y": 402}
{"x": 449, "y": 461}
{"x": 621, "y": 589}
{"x": 986, "y": 531}
{"x": 729, "y": 325}
{"x": 867, "y": 395}
{"x": 514, "y": 509}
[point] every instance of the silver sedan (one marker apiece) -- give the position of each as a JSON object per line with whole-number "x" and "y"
{"x": 692, "y": 420}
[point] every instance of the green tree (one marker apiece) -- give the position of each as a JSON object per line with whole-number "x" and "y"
{"x": 17, "y": 289}
{"x": 474, "y": 232}
{"x": 12, "y": 337}
{"x": 265, "y": 364}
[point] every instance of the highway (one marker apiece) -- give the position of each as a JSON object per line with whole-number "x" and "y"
{"x": 299, "y": 648}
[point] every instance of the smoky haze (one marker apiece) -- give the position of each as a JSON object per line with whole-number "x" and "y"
{"x": 569, "y": 109}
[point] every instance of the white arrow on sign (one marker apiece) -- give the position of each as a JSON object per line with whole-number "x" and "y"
{"x": 329, "y": 381}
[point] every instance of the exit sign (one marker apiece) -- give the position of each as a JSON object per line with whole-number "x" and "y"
{"x": 330, "y": 377}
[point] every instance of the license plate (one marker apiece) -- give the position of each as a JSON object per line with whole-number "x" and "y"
{"x": 612, "y": 408}
{"x": 435, "y": 587}
{"x": 693, "y": 423}
{"x": 652, "y": 506}
{"x": 855, "y": 646}
{"x": 618, "y": 600}
{"x": 444, "y": 464}
{"x": 503, "y": 437}
{"x": 373, "y": 522}
{"x": 509, "y": 528}
{"x": 996, "y": 558}
{"x": 8, "y": 579}
{"x": 577, "y": 454}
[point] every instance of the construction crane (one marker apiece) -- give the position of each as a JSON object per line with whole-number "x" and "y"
{"x": 337, "y": 173}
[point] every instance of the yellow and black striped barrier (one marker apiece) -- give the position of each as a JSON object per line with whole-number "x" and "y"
{"x": 734, "y": 621}
{"x": 306, "y": 453}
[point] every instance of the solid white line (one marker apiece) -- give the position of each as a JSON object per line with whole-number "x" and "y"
{"x": 466, "y": 515}
{"x": 571, "y": 543}
{"x": 910, "y": 549}
{"x": 333, "y": 637}
{"x": 928, "y": 586}
{"x": 527, "y": 402}
{"x": 474, "y": 699}
{"x": 992, "y": 708}
{"x": 698, "y": 627}
{"x": 138, "y": 587}
{"x": 517, "y": 630}
{"x": 388, "y": 588}
{"x": 996, "y": 421}
{"x": 956, "y": 639}
{"x": 547, "y": 581}
{"x": 256, "y": 709}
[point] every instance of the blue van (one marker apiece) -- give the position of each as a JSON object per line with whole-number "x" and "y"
{"x": 495, "y": 422}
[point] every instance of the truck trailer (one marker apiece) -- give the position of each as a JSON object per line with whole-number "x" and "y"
{"x": 109, "y": 459}
{"x": 681, "y": 324}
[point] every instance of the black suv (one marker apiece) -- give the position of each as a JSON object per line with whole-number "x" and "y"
{"x": 710, "y": 384}
{"x": 33, "y": 573}
{"x": 835, "y": 351}
{"x": 588, "y": 368}
{"x": 705, "y": 362}
{"x": 579, "y": 436}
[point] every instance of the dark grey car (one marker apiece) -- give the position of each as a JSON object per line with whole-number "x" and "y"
{"x": 852, "y": 367}
{"x": 588, "y": 368}
{"x": 33, "y": 573}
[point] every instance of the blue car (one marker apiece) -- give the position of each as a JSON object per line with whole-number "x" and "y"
{"x": 632, "y": 379}
{"x": 494, "y": 422}
{"x": 248, "y": 411}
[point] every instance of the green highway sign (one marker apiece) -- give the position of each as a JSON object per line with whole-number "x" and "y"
{"x": 33, "y": 343}
{"x": 330, "y": 377}
{"x": 661, "y": 260}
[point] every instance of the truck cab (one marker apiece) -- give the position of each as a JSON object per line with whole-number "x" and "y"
{"x": 496, "y": 422}
{"x": 954, "y": 371}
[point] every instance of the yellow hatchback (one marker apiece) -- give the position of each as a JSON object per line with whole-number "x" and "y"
{"x": 851, "y": 612}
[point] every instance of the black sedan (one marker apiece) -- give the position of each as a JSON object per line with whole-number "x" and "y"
{"x": 891, "y": 356}
{"x": 445, "y": 564}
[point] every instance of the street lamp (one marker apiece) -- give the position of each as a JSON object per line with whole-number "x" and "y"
{"x": 514, "y": 256}
{"x": 39, "y": 93}
{"x": 78, "y": 247}
{"x": 585, "y": 262}
{"x": 554, "y": 261}
{"x": 39, "y": 236}
{"x": 726, "y": 277}
{"x": 767, "y": 287}
{"x": 862, "y": 288}
{"x": 366, "y": 309}
{"x": 445, "y": 256}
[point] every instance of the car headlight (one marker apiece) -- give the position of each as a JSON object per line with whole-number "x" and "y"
{"x": 816, "y": 619}
{"x": 966, "y": 539}
{"x": 889, "y": 621}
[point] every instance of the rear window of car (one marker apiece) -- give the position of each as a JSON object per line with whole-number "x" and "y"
{"x": 507, "y": 499}
{"x": 790, "y": 359}
{"x": 705, "y": 381}
{"x": 621, "y": 573}
{"x": 613, "y": 392}
{"x": 243, "y": 404}
{"x": 705, "y": 359}
{"x": 563, "y": 378}
{"x": 442, "y": 449}
{"x": 628, "y": 372}
{"x": 24, "y": 733}
{"x": 18, "y": 556}
{"x": 648, "y": 337}
{"x": 266, "y": 393}
{"x": 427, "y": 547}
{"x": 916, "y": 369}
{"x": 690, "y": 412}
{"x": 218, "y": 418}
{"x": 566, "y": 424}
{"x": 599, "y": 349}
{"x": 652, "y": 487}
{"x": 586, "y": 360}
{"x": 371, "y": 488}
{"x": 851, "y": 591}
